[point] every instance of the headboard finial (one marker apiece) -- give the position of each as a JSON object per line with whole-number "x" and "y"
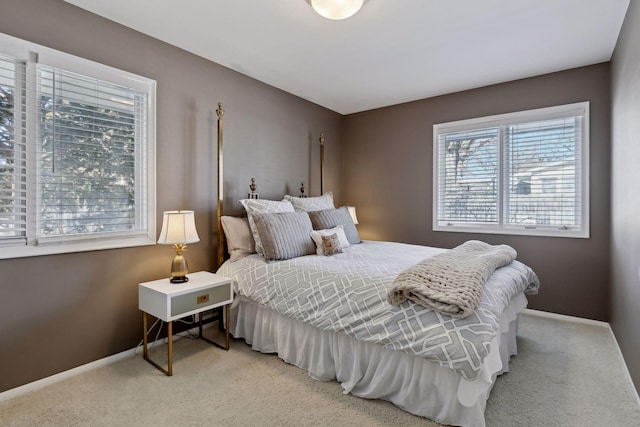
{"x": 220, "y": 111}
{"x": 253, "y": 187}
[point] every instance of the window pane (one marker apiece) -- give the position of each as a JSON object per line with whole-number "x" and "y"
{"x": 524, "y": 173}
{"x": 12, "y": 152}
{"x": 543, "y": 159}
{"x": 90, "y": 140}
{"x": 468, "y": 181}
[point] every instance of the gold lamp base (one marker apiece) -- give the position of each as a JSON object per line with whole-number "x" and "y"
{"x": 179, "y": 265}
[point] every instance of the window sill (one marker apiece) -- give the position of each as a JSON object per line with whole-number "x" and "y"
{"x": 9, "y": 252}
{"x": 515, "y": 231}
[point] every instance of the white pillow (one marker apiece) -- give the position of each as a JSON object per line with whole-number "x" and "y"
{"x": 261, "y": 206}
{"x": 310, "y": 204}
{"x": 239, "y": 239}
{"x": 316, "y": 235}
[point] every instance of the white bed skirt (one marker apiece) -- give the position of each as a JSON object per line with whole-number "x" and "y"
{"x": 370, "y": 371}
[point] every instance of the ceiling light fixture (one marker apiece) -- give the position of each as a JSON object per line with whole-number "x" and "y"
{"x": 336, "y": 9}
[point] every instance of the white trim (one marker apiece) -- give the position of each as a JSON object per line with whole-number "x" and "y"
{"x": 105, "y": 361}
{"x": 55, "y": 58}
{"x": 545, "y": 113}
{"x": 566, "y": 318}
{"x": 31, "y": 245}
{"x": 624, "y": 364}
{"x": 591, "y": 322}
{"x": 36, "y": 385}
{"x": 22, "y": 251}
{"x": 499, "y": 121}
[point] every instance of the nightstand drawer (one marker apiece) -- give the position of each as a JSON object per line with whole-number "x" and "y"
{"x": 208, "y": 297}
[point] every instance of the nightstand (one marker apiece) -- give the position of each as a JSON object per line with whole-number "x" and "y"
{"x": 171, "y": 301}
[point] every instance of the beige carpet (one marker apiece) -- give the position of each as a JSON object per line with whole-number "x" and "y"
{"x": 566, "y": 374}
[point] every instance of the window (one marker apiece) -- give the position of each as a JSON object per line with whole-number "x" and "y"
{"x": 77, "y": 153}
{"x": 521, "y": 173}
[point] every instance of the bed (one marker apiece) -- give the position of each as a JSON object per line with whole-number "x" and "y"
{"x": 329, "y": 313}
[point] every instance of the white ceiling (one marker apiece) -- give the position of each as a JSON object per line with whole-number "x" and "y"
{"x": 392, "y": 51}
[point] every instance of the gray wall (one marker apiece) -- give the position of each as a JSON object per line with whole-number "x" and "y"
{"x": 625, "y": 195}
{"x": 388, "y": 176}
{"x": 58, "y": 312}
{"x": 61, "y": 311}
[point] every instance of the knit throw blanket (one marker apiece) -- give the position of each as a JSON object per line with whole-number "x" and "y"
{"x": 451, "y": 282}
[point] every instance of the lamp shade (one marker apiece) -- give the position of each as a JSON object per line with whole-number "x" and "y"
{"x": 178, "y": 227}
{"x": 336, "y": 9}
{"x": 352, "y": 212}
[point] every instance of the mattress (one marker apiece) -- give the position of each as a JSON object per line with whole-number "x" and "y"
{"x": 347, "y": 293}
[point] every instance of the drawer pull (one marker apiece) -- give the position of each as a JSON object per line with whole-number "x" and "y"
{"x": 202, "y": 298}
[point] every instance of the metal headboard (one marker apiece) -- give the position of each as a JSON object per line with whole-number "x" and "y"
{"x": 220, "y": 113}
{"x": 221, "y": 239}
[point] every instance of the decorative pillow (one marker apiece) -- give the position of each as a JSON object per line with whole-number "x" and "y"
{"x": 309, "y": 204}
{"x": 330, "y": 218}
{"x": 316, "y": 235}
{"x": 239, "y": 239}
{"x": 285, "y": 235}
{"x": 331, "y": 245}
{"x": 260, "y": 206}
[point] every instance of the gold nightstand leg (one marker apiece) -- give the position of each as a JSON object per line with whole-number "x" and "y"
{"x": 144, "y": 334}
{"x": 145, "y": 352}
{"x": 170, "y": 351}
{"x": 226, "y": 326}
{"x": 224, "y": 347}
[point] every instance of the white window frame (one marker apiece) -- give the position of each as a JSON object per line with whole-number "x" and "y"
{"x": 576, "y": 109}
{"x": 28, "y": 52}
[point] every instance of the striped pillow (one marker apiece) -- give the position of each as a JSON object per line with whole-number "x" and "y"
{"x": 261, "y": 206}
{"x": 285, "y": 235}
{"x": 330, "y": 218}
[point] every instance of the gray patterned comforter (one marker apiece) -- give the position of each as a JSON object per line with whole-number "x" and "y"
{"x": 347, "y": 293}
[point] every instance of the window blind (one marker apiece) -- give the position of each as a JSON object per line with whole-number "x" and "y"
{"x": 468, "y": 185}
{"x": 89, "y": 136}
{"x": 13, "y": 191}
{"x": 543, "y": 168}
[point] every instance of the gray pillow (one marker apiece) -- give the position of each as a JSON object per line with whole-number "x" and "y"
{"x": 261, "y": 206}
{"x": 285, "y": 235}
{"x": 330, "y": 218}
{"x": 309, "y": 204}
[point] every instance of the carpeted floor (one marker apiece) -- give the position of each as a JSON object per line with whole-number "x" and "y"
{"x": 565, "y": 374}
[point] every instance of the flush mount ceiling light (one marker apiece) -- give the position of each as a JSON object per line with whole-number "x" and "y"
{"x": 336, "y": 9}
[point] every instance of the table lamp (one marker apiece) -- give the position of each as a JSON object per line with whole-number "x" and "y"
{"x": 178, "y": 229}
{"x": 352, "y": 212}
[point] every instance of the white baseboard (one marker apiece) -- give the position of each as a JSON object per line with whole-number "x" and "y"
{"x": 36, "y": 385}
{"x": 566, "y": 318}
{"x": 624, "y": 365}
{"x": 593, "y": 323}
